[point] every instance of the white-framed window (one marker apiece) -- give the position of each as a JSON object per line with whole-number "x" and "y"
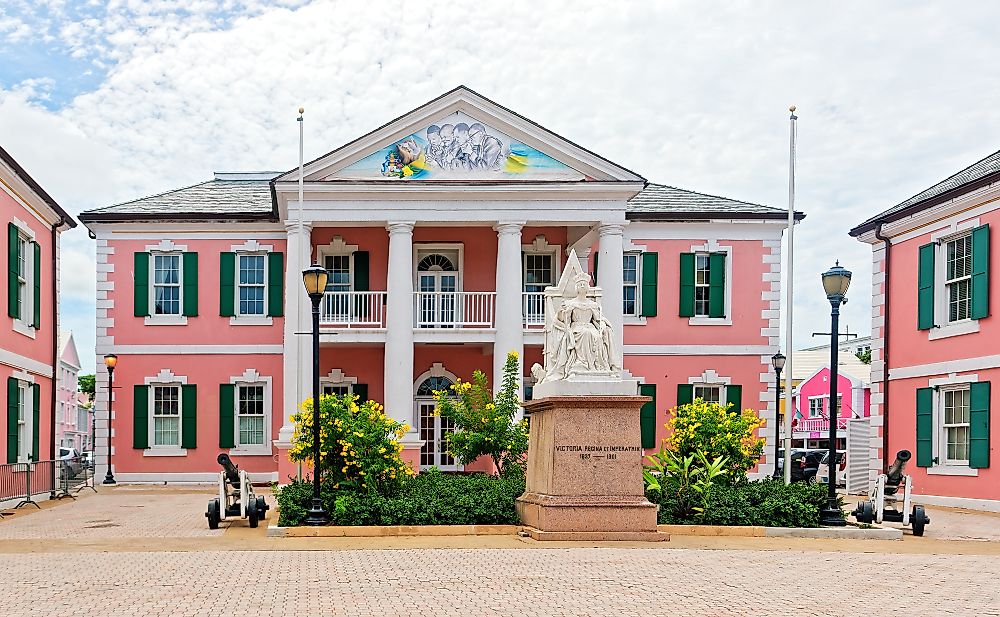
{"x": 339, "y": 272}
{"x": 709, "y": 393}
{"x": 816, "y": 407}
{"x": 252, "y": 284}
{"x": 702, "y": 291}
{"x": 166, "y": 415}
{"x": 24, "y": 417}
{"x": 24, "y": 268}
{"x": 166, "y": 288}
{"x": 954, "y": 428}
{"x": 250, "y": 415}
{"x": 630, "y": 284}
{"x": 958, "y": 277}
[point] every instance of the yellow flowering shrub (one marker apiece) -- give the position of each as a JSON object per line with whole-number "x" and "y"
{"x": 485, "y": 425}
{"x": 359, "y": 444}
{"x": 716, "y": 430}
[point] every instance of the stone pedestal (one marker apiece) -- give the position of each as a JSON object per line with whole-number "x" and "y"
{"x": 585, "y": 471}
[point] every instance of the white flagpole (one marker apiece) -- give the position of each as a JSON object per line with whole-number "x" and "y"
{"x": 307, "y": 250}
{"x": 301, "y": 178}
{"x": 789, "y": 382}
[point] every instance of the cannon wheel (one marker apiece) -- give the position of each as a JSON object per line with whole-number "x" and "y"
{"x": 213, "y": 514}
{"x": 865, "y": 513}
{"x": 261, "y": 507}
{"x": 252, "y": 512}
{"x": 918, "y": 520}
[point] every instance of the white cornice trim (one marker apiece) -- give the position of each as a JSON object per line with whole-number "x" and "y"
{"x": 17, "y": 361}
{"x": 971, "y": 204}
{"x": 698, "y": 350}
{"x": 945, "y": 368}
{"x": 175, "y": 350}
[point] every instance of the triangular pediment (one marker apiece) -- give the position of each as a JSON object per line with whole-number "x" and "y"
{"x": 462, "y": 136}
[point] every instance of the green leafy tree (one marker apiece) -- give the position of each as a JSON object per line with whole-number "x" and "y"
{"x": 87, "y": 384}
{"x": 485, "y": 425}
{"x": 359, "y": 444}
{"x": 716, "y": 431}
{"x": 865, "y": 356}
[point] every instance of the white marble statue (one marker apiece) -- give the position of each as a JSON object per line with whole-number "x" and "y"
{"x": 579, "y": 341}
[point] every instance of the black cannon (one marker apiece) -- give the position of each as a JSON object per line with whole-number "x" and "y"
{"x": 884, "y": 498}
{"x": 236, "y": 496}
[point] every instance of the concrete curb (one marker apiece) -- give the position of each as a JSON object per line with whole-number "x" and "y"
{"x": 821, "y": 533}
{"x": 377, "y": 531}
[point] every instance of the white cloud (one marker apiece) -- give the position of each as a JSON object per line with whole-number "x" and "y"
{"x": 891, "y": 99}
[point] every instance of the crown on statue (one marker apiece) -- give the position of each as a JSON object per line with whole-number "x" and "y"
{"x": 582, "y": 277}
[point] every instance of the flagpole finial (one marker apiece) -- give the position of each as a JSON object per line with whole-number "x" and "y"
{"x": 791, "y": 109}
{"x": 302, "y": 110}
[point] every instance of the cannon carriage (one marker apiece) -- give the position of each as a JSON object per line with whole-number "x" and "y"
{"x": 884, "y": 499}
{"x": 236, "y": 497}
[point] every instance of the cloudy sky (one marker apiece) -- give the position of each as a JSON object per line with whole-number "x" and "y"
{"x": 107, "y": 101}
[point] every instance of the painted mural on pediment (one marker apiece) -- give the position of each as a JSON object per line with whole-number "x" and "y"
{"x": 458, "y": 148}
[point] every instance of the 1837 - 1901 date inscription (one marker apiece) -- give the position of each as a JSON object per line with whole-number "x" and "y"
{"x": 598, "y": 452}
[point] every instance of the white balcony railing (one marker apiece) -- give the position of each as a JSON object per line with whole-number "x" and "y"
{"x": 814, "y": 425}
{"x": 353, "y": 309}
{"x": 533, "y": 309}
{"x": 453, "y": 309}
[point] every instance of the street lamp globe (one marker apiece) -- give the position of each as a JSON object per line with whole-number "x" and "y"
{"x": 110, "y": 360}
{"x": 836, "y": 280}
{"x": 778, "y": 361}
{"x": 314, "y": 278}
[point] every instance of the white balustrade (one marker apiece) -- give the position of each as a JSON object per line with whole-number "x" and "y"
{"x": 453, "y": 309}
{"x": 353, "y": 309}
{"x": 533, "y": 309}
{"x": 818, "y": 425}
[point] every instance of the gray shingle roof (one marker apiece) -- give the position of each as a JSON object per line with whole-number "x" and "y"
{"x": 662, "y": 201}
{"x": 979, "y": 169}
{"x": 238, "y": 195}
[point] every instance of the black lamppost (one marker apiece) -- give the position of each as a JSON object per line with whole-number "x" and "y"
{"x": 314, "y": 278}
{"x": 836, "y": 280}
{"x": 110, "y": 361}
{"x": 778, "y": 362}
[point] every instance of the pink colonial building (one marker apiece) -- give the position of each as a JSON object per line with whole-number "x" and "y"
{"x": 934, "y": 349}
{"x": 29, "y": 350}
{"x": 811, "y": 423}
{"x": 440, "y": 231}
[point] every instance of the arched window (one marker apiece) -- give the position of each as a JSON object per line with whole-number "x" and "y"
{"x": 436, "y": 262}
{"x": 431, "y": 384}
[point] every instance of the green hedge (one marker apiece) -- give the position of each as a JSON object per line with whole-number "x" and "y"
{"x": 767, "y": 503}
{"x": 429, "y": 498}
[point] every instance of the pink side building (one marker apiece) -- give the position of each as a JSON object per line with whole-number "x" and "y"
{"x": 29, "y": 321}
{"x": 811, "y": 422}
{"x": 440, "y": 231}
{"x": 934, "y": 348}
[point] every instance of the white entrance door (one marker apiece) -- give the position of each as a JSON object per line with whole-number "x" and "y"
{"x": 438, "y": 299}
{"x": 433, "y": 431}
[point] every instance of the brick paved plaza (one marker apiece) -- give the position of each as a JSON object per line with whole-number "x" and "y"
{"x": 149, "y": 552}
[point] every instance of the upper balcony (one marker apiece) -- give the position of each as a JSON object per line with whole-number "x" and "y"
{"x": 443, "y": 310}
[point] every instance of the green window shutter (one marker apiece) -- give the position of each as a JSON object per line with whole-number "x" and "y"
{"x": 189, "y": 416}
{"x": 596, "y": 255}
{"x": 361, "y": 389}
{"x": 925, "y": 427}
{"x": 227, "y": 411}
{"x": 734, "y": 395}
{"x": 361, "y": 267}
{"x": 36, "y": 421}
{"x": 12, "y": 394}
{"x": 36, "y": 318}
{"x": 13, "y": 289}
{"x": 925, "y": 287}
{"x": 140, "y": 417}
{"x": 140, "y": 285}
{"x": 717, "y": 285}
{"x": 687, "y": 285}
{"x": 190, "y": 283}
{"x": 227, "y": 284}
{"x": 979, "y": 424}
{"x": 647, "y": 416}
{"x": 649, "y": 278}
{"x": 275, "y": 284}
{"x": 685, "y": 394}
{"x": 980, "y": 272}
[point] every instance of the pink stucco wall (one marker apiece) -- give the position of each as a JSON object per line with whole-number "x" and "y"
{"x": 819, "y": 385}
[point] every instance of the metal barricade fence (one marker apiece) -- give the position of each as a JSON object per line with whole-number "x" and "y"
{"x": 23, "y": 481}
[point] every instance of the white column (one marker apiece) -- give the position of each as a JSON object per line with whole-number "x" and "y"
{"x": 609, "y": 278}
{"x": 398, "y": 378}
{"x": 297, "y": 365}
{"x": 507, "y": 312}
